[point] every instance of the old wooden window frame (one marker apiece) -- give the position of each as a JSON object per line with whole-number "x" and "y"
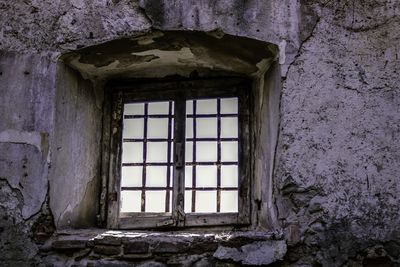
{"x": 177, "y": 91}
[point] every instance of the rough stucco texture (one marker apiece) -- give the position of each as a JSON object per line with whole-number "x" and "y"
{"x": 336, "y": 168}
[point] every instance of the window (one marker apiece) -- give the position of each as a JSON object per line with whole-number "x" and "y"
{"x": 180, "y": 154}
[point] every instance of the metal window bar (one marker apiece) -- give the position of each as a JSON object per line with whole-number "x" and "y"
{"x": 168, "y": 192}
{"x": 218, "y": 155}
{"x": 217, "y": 163}
{"x": 194, "y": 157}
{"x": 143, "y": 202}
{"x": 146, "y": 164}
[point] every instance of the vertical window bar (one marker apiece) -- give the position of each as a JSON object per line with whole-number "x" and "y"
{"x": 218, "y": 155}
{"x": 179, "y": 157}
{"x": 167, "y": 196}
{"x": 143, "y": 203}
{"x": 194, "y": 158}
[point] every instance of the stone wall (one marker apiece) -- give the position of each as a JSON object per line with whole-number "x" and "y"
{"x": 335, "y": 183}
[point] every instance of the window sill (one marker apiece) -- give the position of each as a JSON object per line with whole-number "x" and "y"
{"x": 245, "y": 247}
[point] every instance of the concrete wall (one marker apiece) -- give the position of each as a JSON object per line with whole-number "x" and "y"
{"x": 335, "y": 179}
{"x": 75, "y": 173}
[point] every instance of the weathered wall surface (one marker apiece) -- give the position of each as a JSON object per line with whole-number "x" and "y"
{"x": 27, "y": 102}
{"x": 339, "y": 149}
{"x": 75, "y": 173}
{"x": 336, "y": 184}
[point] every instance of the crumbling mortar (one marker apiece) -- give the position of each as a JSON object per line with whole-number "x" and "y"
{"x": 16, "y": 191}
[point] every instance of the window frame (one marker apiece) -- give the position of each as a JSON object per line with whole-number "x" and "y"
{"x": 119, "y": 93}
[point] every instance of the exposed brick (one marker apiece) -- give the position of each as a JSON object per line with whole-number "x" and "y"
{"x": 107, "y": 250}
{"x": 171, "y": 247}
{"x": 69, "y": 244}
{"x": 136, "y": 247}
{"x": 108, "y": 240}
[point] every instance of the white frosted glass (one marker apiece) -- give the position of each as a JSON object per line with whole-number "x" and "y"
{"x": 134, "y": 109}
{"x": 132, "y": 152}
{"x": 158, "y": 108}
{"x": 206, "y": 151}
{"x": 131, "y": 176}
{"x": 157, "y": 151}
{"x": 156, "y": 176}
{"x": 188, "y": 176}
{"x": 206, "y": 176}
{"x": 131, "y": 201}
{"x": 157, "y": 128}
{"x": 189, "y": 151}
{"x": 171, "y": 176}
{"x": 189, "y": 128}
{"x": 206, "y": 127}
{"x": 155, "y": 201}
{"x": 206, "y": 106}
{"x": 133, "y": 128}
{"x": 229, "y": 127}
{"x": 229, "y": 201}
{"x": 229, "y": 151}
{"x": 229, "y": 176}
{"x": 206, "y": 201}
{"x": 189, "y": 107}
{"x": 229, "y": 105}
{"x": 188, "y": 201}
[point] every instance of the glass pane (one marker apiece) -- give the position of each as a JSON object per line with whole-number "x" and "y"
{"x": 157, "y": 151}
{"x": 158, "y": 108}
{"x": 188, "y": 176}
{"x": 133, "y": 128}
{"x": 206, "y": 176}
{"x": 206, "y": 201}
{"x": 229, "y": 105}
{"x": 131, "y": 201}
{"x": 229, "y": 127}
{"x": 206, "y": 151}
{"x": 155, "y": 201}
{"x": 156, "y": 176}
{"x": 157, "y": 128}
{"x": 134, "y": 109}
{"x": 171, "y": 176}
{"x": 189, "y": 107}
{"x": 132, "y": 152}
{"x": 189, "y": 128}
{"x": 189, "y": 151}
{"x": 206, "y": 106}
{"x": 229, "y": 201}
{"x": 229, "y": 176}
{"x": 206, "y": 127}
{"x": 188, "y": 201}
{"x": 131, "y": 176}
{"x": 229, "y": 151}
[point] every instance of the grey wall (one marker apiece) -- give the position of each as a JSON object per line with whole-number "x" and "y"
{"x": 75, "y": 173}
{"x": 27, "y": 97}
{"x": 336, "y": 172}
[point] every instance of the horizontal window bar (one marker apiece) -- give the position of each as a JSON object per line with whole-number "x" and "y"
{"x": 211, "y": 115}
{"x": 154, "y": 116}
{"x": 141, "y": 140}
{"x": 147, "y": 164}
{"x": 130, "y": 188}
{"x": 211, "y": 188}
{"x": 211, "y": 139}
{"x": 187, "y": 163}
{"x": 212, "y": 163}
{"x": 187, "y": 139}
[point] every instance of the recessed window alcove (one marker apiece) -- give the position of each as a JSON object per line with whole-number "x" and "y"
{"x": 83, "y": 190}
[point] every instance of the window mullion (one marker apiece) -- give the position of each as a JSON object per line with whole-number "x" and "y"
{"x": 179, "y": 161}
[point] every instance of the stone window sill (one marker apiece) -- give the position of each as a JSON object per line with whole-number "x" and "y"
{"x": 248, "y": 248}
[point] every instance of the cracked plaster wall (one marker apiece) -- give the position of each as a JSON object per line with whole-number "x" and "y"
{"x": 336, "y": 174}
